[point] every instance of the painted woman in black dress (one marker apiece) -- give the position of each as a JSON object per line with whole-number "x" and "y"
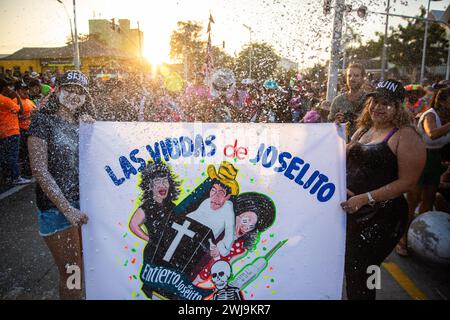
{"x": 160, "y": 189}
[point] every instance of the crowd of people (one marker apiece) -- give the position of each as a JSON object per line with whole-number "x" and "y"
{"x": 398, "y": 144}
{"x": 137, "y": 98}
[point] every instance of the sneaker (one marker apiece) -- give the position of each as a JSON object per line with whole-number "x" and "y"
{"x": 21, "y": 180}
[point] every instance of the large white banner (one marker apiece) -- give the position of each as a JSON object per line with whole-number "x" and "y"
{"x": 213, "y": 211}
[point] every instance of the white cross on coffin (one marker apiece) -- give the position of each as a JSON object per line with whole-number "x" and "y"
{"x": 182, "y": 231}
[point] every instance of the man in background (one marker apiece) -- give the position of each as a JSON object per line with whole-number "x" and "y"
{"x": 347, "y": 106}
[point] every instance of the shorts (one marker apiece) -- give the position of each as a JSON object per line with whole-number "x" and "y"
{"x": 431, "y": 174}
{"x": 51, "y": 221}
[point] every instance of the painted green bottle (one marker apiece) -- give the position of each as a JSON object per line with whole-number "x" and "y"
{"x": 251, "y": 271}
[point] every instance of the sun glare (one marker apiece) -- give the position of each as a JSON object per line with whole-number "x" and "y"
{"x": 155, "y": 57}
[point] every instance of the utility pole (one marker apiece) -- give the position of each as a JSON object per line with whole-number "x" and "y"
{"x": 74, "y": 44}
{"x": 383, "y": 55}
{"x": 335, "y": 50}
{"x": 425, "y": 39}
{"x": 424, "y": 50}
{"x": 427, "y": 20}
{"x": 140, "y": 43}
{"x": 344, "y": 46}
{"x": 77, "y": 50}
{"x": 251, "y": 51}
{"x": 251, "y": 55}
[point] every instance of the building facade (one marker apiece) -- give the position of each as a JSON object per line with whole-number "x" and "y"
{"x": 104, "y": 49}
{"x": 118, "y": 36}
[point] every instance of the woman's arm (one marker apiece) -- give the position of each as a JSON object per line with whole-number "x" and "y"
{"x": 136, "y": 221}
{"x": 37, "y": 149}
{"x": 430, "y": 129}
{"x": 411, "y": 157}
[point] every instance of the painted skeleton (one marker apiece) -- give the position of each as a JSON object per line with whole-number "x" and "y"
{"x": 221, "y": 273}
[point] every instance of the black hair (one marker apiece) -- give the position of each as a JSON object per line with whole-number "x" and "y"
{"x": 437, "y": 100}
{"x": 158, "y": 170}
{"x": 33, "y": 82}
{"x": 262, "y": 206}
{"x": 438, "y": 97}
{"x": 226, "y": 188}
{"x": 5, "y": 81}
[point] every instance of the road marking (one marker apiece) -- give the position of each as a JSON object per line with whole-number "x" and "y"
{"x": 404, "y": 281}
{"x": 443, "y": 297}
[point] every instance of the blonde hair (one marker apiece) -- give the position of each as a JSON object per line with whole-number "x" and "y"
{"x": 402, "y": 117}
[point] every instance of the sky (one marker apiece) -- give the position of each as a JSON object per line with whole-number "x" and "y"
{"x": 297, "y": 29}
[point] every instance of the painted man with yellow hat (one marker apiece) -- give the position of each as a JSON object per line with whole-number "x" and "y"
{"x": 216, "y": 212}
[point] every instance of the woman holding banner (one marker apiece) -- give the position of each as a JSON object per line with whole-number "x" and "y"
{"x": 53, "y": 150}
{"x": 385, "y": 158}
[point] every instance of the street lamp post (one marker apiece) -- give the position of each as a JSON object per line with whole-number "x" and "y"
{"x": 76, "y": 52}
{"x": 344, "y": 46}
{"x": 335, "y": 50}
{"x": 424, "y": 51}
{"x": 251, "y": 51}
{"x": 383, "y": 55}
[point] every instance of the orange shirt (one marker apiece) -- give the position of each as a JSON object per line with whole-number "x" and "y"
{"x": 25, "y": 117}
{"x": 9, "y": 119}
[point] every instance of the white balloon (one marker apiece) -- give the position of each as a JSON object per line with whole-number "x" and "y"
{"x": 429, "y": 237}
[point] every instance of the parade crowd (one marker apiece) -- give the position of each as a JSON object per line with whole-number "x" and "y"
{"x": 398, "y": 141}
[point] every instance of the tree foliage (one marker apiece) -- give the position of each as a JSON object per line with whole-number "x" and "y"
{"x": 318, "y": 72}
{"x": 222, "y": 59}
{"x": 405, "y": 45}
{"x": 186, "y": 46}
{"x": 264, "y": 61}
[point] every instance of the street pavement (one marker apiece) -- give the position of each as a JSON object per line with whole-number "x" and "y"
{"x": 27, "y": 270}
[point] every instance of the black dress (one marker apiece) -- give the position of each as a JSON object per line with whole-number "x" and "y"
{"x": 161, "y": 222}
{"x": 157, "y": 220}
{"x": 372, "y": 233}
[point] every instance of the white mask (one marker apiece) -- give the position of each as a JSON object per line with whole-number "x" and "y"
{"x": 71, "y": 100}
